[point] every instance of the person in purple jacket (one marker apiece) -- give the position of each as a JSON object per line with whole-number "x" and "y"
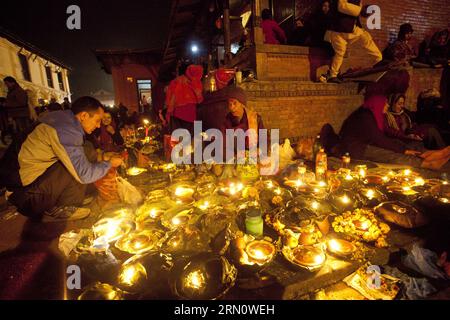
{"x": 50, "y": 173}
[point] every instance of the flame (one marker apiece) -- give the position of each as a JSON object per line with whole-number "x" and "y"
{"x": 407, "y": 172}
{"x": 204, "y": 206}
{"x": 370, "y": 194}
{"x": 319, "y": 259}
{"x": 345, "y": 199}
{"x": 419, "y": 181}
{"x": 176, "y": 221}
{"x": 362, "y": 173}
{"x": 322, "y": 184}
{"x": 195, "y": 280}
{"x": 298, "y": 183}
{"x": 131, "y": 273}
{"x": 334, "y": 245}
{"x": 348, "y": 177}
{"x": 315, "y": 205}
{"x": 385, "y": 179}
{"x": 278, "y": 191}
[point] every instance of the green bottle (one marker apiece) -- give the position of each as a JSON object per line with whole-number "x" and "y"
{"x": 254, "y": 224}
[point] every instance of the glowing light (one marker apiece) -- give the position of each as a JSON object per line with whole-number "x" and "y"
{"x": 348, "y": 177}
{"x": 176, "y": 221}
{"x": 135, "y": 171}
{"x": 370, "y": 194}
{"x": 407, "y": 172}
{"x": 204, "y": 206}
{"x": 419, "y": 181}
{"x": 319, "y": 259}
{"x": 194, "y": 48}
{"x": 445, "y": 182}
{"x": 298, "y": 183}
{"x": 345, "y": 199}
{"x": 146, "y": 122}
{"x": 270, "y": 185}
{"x": 195, "y": 280}
{"x": 444, "y": 200}
{"x": 406, "y": 188}
{"x": 131, "y": 273}
{"x": 334, "y": 245}
{"x": 322, "y": 184}
{"x": 153, "y": 213}
{"x": 385, "y": 179}
{"x": 362, "y": 173}
{"x": 315, "y": 205}
{"x": 278, "y": 191}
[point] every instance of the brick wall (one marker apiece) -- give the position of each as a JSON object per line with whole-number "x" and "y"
{"x": 426, "y": 17}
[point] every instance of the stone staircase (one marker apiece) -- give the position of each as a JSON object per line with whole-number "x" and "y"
{"x": 289, "y": 98}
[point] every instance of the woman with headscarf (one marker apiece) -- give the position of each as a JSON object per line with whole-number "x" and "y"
{"x": 399, "y": 124}
{"x": 183, "y": 95}
{"x": 362, "y": 135}
{"x": 107, "y": 137}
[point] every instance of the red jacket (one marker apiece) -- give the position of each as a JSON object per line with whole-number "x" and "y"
{"x": 273, "y": 34}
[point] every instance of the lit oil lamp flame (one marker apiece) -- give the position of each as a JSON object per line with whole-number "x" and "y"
{"x": 195, "y": 280}
{"x": 298, "y": 183}
{"x": 334, "y": 245}
{"x": 322, "y": 184}
{"x": 419, "y": 181}
{"x": 362, "y": 173}
{"x": 345, "y": 199}
{"x": 444, "y": 200}
{"x": 181, "y": 191}
{"x": 204, "y": 206}
{"x": 406, "y": 188}
{"x": 135, "y": 171}
{"x": 319, "y": 259}
{"x": 348, "y": 177}
{"x": 278, "y": 191}
{"x": 370, "y": 194}
{"x": 131, "y": 274}
{"x": 176, "y": 221}
{"x": 146, "y": 122}
{"x": 315, "y": 205}
{"x": 385, "y": 179}
{"x": 269, "y": 184}
{"x": 407, "y": 172}
{"x": 153, "y": 214}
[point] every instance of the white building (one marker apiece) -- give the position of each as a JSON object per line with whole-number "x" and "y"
{"x": 41, "y": 75}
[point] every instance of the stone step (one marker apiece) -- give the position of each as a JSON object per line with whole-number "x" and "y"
{"x": 282, "y": 88}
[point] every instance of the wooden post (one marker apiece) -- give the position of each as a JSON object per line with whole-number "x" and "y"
{"x": 257, "y": 30}
{"x": 226, "y": 31}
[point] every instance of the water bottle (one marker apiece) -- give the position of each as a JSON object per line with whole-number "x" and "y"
{"x": 321, "y": 165}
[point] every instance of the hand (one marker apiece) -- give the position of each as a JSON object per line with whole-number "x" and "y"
{"x": 412, "y": 153}
{"x": 110, "y": 129}
{"x": 108, "y": 155}
{"x": 414, "y": 137}
{"x": 116, "y": 161}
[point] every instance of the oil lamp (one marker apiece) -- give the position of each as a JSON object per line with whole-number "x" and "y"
{"x": 311, "y": 258}
{"x": 362, "y": 170}
{"x": 111, "y": 229}
{"x": 260, "y": 251}
{"x": 340, "y": 247}
{"x": 140, "y": 242}
{"x": 345, "y": 199}
{"x": 101, "y": 291}
{"x": 233, "y": 189}
{"x": 131, "y": 273}
{"x": 135, "y": 171}
{"x": 195, "y": 280}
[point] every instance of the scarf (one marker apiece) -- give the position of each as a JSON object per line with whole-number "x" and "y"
{"x": 376, "y": 105}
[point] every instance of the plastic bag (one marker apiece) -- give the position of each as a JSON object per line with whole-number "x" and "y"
{"x": 69, "y": 240}
{"x": 287, "y": 154}
{"x": 128, "y": 193}
{"x": 415, "y": 288}
{"x": 424, "y": 261}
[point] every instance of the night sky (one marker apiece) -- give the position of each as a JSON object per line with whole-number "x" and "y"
{"x": 105, "y": 24}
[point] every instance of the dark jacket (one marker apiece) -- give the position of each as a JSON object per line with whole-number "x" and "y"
{"x": 359, "y": 130}
{"x": 17, "y": 102}
{"x": 214, "y": 108}
{"x": 344, "y": 23}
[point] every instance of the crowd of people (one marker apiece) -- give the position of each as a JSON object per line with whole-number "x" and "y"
{"x": 336, "y": 25}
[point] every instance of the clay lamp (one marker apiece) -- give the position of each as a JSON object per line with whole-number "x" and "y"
{"x": 233, "y": 189}
{"x": 139, "y": 242}
{"x": 372, "y": 197}
{"x": 135, "y": 171}
{"x": 112, "y": 229}
{"x": 340, "y": 247}
{"x": 311, "y": 258}
{"x": 260, "y": 252}
{"x": 132, "y": 274}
